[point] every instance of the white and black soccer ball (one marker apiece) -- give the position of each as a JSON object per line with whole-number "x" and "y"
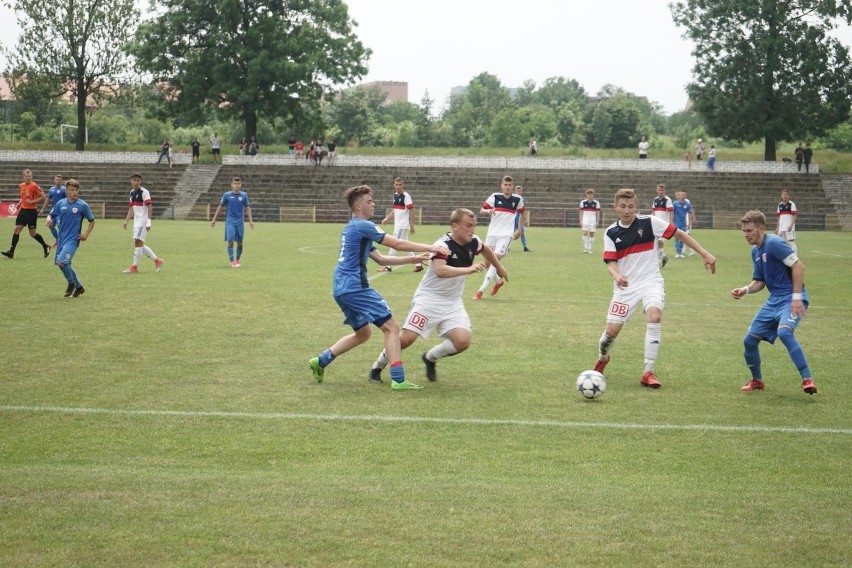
{"x": 591, "y": 384}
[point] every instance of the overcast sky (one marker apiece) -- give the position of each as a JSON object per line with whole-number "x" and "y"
{"x": 436, "y": 45}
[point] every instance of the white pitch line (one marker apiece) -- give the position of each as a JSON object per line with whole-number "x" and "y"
{"x": 827, "y": 253}
{"x": 426, "y": 420}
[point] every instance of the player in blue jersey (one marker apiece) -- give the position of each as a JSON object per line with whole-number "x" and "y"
{"x": 236, "y": 204}
{"x": 361, "y": 304}
{"x": 54, "y": 194}
{"x": 777, "y": 268}
{"x": 68, "y": 214}
{"x": 684, "y": 219}
{"x": 519, "y": 190}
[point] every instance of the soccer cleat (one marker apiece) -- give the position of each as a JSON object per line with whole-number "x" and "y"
{"x": 316, "y": 369}
{"x": 159, "y": 264}
{"x": 418, "y": 268}
{"x": 478, "y": 295}
{"x": 78, "y": 292}
{"x": 8, "y": 253}
{"x": 691, "y": 253}
{"x": 650, "y": 380}
{"x": 69, "y": 290}
{"x": 404, "y": 385}
{"x": 527, "y": 250}
{"x": 601, "y": 365}
{"x": 497, "y": 287}
{"x": 384, "y": 269}
{"x": 375, "y": 375}
{"x": 234, "y": 264}
{"x": 753, "y": 385}
{"x": 430, "y": 369}
{"x": 664, "y": 261}
{"x": 239, "y": 264}
{"x": 808, "y": 386}
{"x": 46, "y": 251}
{"x": 132, "y": 270}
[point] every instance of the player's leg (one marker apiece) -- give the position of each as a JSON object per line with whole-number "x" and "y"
{"x": 406, "y": 338}
{"x": 16, "y": 236}
{"x": 393, "y": 352}
{"x": 786, "y": 333}
{"x": 591, "y": 240}
{"x": 653, "y": 334}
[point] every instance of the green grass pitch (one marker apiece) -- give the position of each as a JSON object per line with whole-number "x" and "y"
{"x": 170, "y": 419}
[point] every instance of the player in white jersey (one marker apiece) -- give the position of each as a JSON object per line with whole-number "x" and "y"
{"x": 403, "y": 223}
{"x": 630, "y": 258}
{"x": 141, "y": 210}
{"x": 787, "y": 220}
{"x": 590, "y": 218}
{"x": 437, "y": 304}
{"x": 664, "y": 209}
{"x": 502, "y": 207}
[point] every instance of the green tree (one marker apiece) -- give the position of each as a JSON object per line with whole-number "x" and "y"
{"x": 470, "y": 114}
{"x": 251, "y": 58}
{"x": 767, "y": 69}
{"x": 74, "y": 44}
{"x": 355, "y": 115}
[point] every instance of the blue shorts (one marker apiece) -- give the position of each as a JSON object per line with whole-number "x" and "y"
{"x": 363, "y": 307}
{"x": 234, "y": 232}
{"x": 770, "y": 317}
{"x": 65, "y": 252}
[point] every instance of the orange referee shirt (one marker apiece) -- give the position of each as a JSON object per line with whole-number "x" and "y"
{"x": 30, "y": 190}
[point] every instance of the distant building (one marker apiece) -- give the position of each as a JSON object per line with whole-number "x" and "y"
{"x": 394, "y": 90}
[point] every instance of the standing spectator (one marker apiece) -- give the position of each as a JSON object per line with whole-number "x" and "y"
{"x": 196, "y": 150}
{"x": 332, "y": 147}
{"x": 31, "y": 196}
{"x": 699, "y": 150}
{"x": 501, "y": 207}
{"x": 777, "y": 268}
{"x": 300, "y": 149}
{"x": 636, "y": 276}
{"x": 216, "y": 146}
{"x": 643, "y": 148}
{"x": 519, "y": 190}
{"x": 243, "y": 146}
{"x": 800, "y": 156}
{"x": 684, "y": 219}
{"x": 236, "y": 205}
{"x": 69, "y": 213}
{"x": 164, "y": 151}
{"x": 590, "y": 219}
{"x": 437, "y": 304}
{"x": 663, "y": 209}
{"x": 711, "y": 159}
{"x": 808, "y": 155}
{"x": 54, "y": 194}
{"x": 403, "y": 222}
{"x": 361, "y": 304}
{"x": 171, "y": 155}
{"x": 311, "y": 147}
{"x": 318, "y": 153}
{"x": 142, "y": 211}
{"x": 533, "y": 148}
{"x": 253, "y": 147}
{"x": 291, "y": 145}
{"x": 787, "y": 213}
{"x": 690, "y": 252}
{"x": 688, "y": 158}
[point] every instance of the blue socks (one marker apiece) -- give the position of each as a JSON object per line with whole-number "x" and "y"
{"x": 752, "y": 355}
{"x": 397, "y": 372}
{"x": 70, "y": 275}
{"x": 231, "y": 252}
{"x": 785, "y": 334}
{"x": 326, "y": 357}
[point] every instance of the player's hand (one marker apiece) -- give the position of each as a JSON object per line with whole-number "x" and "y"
{"x": 710, "y": 263}
{"x": 251, "y": 224}
{"x": 478, "y": 267}
{"x": 420, "y": 258}
{"x": 213, "y": 223}
{"x": 738, "y": 293}
{"x": 125, "y": 225}
{"x": 440, "y": 249}
{"x": 621, "y": 281}
{"x": 797, "y": 308}
{"x": 82, "y": 237}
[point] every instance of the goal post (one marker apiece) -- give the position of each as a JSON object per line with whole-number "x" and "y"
{"x": 62, "y": 128}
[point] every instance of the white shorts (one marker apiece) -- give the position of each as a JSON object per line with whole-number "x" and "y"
{"x": 626, "y": 300}
{"x": 500, "y": 245}
{"x": 422, "y": 320}
{"x": 788, "y": 235}
{"x": 400, "y": 234}
{"x": 139, "y": 232}
{"x": 589, "y": 227}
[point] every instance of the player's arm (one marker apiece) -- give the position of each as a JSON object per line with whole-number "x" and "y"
{"x": 150, "y": 215}
{"x": 43, "y": 207}
{"x": 486, "y": 211}
{"x": 251, "y": 221}
{"x": 492, "y": 260}
{"x": 709, "y": 259}
{"x": 520, "y": 230}
{"x": 216, "y": 214}
{"x": 410, "y": 246}
{"x": 385, "y": 260}
{"x": 797, "y": 275}
{"x": 89, "y": 227}
{"x": 752, "y": 287}
{"x": 128, "y": 216}
{"x": 619, "y": 278}
{"x": 691, "y": 219}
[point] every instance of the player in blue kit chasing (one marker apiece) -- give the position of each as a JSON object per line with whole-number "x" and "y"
{"x": 68, "y": 215}
{"x": 54, "y": 194}
{"x": 361, "y": 304}
{"x": 236, "y": 205}
{"x": 778, "y": 269}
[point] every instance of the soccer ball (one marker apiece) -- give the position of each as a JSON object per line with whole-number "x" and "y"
{"x": 591, "y": 384}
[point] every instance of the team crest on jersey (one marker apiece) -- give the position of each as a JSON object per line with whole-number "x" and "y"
{"x": 74, "y": 210}
{"x": 640, "y": 231}
{"x": 763, "y": 257}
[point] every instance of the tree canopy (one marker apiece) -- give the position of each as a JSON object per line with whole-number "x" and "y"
{"x": 767, "y": 69}
{"x": 71, "y": 47}
{"x": 250, "y": 58}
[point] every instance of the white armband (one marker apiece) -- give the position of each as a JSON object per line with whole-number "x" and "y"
{"x": 797, "y": 296}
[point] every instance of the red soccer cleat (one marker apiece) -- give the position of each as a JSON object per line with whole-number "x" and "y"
{"x": 650, "y": 380}
{"x": 478, "y": 295}
{"x": 753, "y": 385}
{"x": 497, "y": 287}
{"x": 601, "y": 365}
{"x": 808, "y": 386}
